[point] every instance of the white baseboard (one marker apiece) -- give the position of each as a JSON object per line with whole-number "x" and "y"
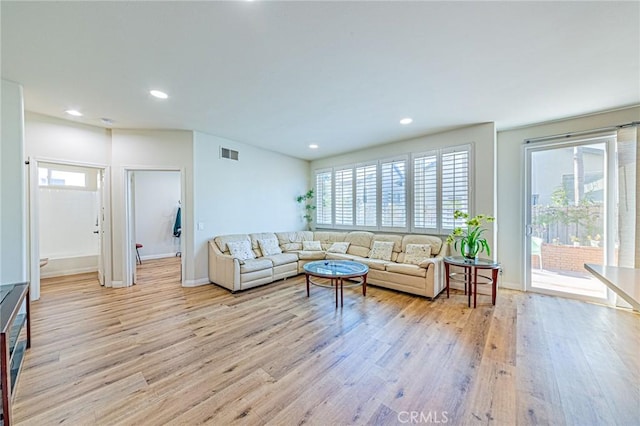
{"x": 117, "y": 284}
{"x": 62, "y": 266}
{"x": 510, "y": 286}
{"x": 196, "y": 283}
{"x": 158, "y": 256}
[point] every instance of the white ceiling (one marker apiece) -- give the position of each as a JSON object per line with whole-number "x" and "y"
{"x": 282, "y": 75}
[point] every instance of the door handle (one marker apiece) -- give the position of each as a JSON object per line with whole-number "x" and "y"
{"x": 528, "y": 230}
{"x": 96, "y": 232}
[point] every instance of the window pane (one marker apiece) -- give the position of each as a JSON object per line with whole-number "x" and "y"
{"x": 344, "y": 197}
{"x": 425, "y": 192}
{"x": 455, "y": 187}
{"x": 366, "y": 197}
{"x": 393, "y": 194}
{"x": 323, "y": 198}
{"x": 43, "y": 176}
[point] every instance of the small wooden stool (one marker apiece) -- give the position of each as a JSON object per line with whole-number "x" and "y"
{"x": 138, "y": 246}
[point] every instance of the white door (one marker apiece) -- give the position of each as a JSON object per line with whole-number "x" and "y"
{"x": 100, "y": 227}
{"x": 567, "y": 206}
{"x": 131, "y": 215}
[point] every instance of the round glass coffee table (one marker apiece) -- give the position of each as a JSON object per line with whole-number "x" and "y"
{"x": 336, "y": 271}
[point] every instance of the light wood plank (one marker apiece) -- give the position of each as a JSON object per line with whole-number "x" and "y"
{"x": 157, "y": 353}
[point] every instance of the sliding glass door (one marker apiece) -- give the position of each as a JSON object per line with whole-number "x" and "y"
{"x": 568, "y": 207}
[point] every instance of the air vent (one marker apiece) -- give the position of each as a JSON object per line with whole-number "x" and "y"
{"x": 228, "y": 153}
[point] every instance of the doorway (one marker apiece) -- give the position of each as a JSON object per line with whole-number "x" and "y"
{"x": 567, "y": 207}
{"x": 68, "y": 221}
{"x": 154, "y": 225}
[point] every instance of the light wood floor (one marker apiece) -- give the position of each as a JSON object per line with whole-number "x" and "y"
{"x": 158, "y": 354}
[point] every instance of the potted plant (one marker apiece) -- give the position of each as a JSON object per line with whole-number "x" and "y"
{"x": 470, "y": 238}
{"x": 309, "y": 207}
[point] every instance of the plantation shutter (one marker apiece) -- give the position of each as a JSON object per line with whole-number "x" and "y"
{"x": 323, "y": 198}
{"x": 455, "y": 186}
{"x": 366, "y": 195}
{"x": 425, "y": 191}
{"x": 393, "y": 194}
{"x": 344, "y": 197}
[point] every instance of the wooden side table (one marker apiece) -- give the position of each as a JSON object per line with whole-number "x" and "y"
{"x": 471, "y": 275}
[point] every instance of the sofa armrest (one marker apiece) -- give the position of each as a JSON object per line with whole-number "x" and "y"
{"x": 224, "y": 269}
{"x": 438, "y": 271}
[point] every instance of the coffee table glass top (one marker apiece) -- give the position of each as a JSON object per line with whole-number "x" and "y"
{"x": 335, "y": 268}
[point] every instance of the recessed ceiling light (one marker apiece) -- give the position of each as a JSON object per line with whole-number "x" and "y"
{"x": 158, "y": 94}
{"x": 407, "y": 120}
{"x": 74, "y": 112}
{"x": 313, "y": 146}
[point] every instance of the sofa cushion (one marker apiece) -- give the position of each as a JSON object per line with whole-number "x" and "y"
{"x": 381, "y": 250}
{"x": 241, "y": 250}
{"x": 403, "y": 268}
{"x": 269, "y": 246}
{"x": 222, "y": 240}
{"x": 340, "y": 247}
{"x": 378, "y": 264}
{"x": 417, "y": 253}
{"x": 433, "y": 241}
{"x": 359, "y": 243}
{"x": 251, "y": 265}
{"x": 311, "y": 255}
{"x": 340, "y": 256}
{"x": 327, "y": 238}
{"x": 291, "y": 241}
{"x": 260, "y": 236}
{"x": 311, "y": 246}
{"x": 282, "y": 258}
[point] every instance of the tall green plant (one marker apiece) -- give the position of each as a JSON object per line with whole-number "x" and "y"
{"x": 309, "y": 207}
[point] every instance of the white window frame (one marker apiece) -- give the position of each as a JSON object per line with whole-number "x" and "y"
{"x": 409, "y": 160}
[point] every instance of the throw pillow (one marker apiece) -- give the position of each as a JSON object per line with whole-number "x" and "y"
{"x": 311, "y": 245}
{"x": 415, "y": 254}
{"x": 241, "y": 250}
{"x": 381, "y": 250}
{"x": 269, "y": 246}
{"x": 338, "y": 248}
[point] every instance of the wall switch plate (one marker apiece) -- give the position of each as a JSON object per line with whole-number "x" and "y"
{"x": 200, "y": 226}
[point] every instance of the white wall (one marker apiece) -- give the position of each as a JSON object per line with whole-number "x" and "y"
{"x": 66, "y": 141}
{"x": 511, "y": 238}
{"x": 156, "y": 202}
{"x": 13, "y": 212}
{"x": 156, "y": 150}
{"x": 255, "y": 194}
{"x": 483, "y": 138}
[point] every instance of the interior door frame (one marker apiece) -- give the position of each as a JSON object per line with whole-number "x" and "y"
{"x": 609, "y": 200}
{"x": 128, "y": 255}
{"x": 34, "y": 220}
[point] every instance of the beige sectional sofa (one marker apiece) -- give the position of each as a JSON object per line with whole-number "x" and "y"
{"x": 424, "y": 279}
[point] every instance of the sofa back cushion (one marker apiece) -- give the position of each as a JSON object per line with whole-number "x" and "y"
{"x": 222, "y": 240}
{"x": 292, "y": 241}
{"x": 327, "y": 238}
{"x": 359, "y": 243}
